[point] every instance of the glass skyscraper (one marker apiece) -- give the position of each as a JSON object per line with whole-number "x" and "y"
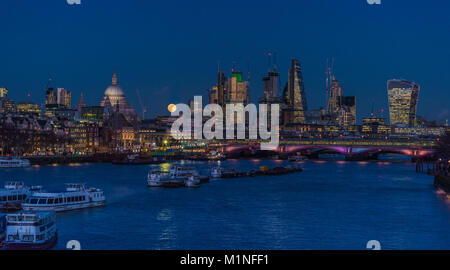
{"x": 295, "y": 96}
{"x": 403, "y": 98}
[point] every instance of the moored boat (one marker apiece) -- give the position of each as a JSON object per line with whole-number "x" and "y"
{"x": 192, "y": 181}
{"x": 13, "y": 195}
{"x": 7, "y": 162}
{"x": 76, "y": 196}
{"x": 216, "y": 172}
{"x": 30, "y": 231}
{"x": 175, "y": 177}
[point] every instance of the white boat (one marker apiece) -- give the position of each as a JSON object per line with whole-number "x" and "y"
{"x": 175, "y": 177}
{"x": 76, "y": 196}
{"x": 6, "y": 162}
{"x": 30, "y": 230}
{"x": 216, "y": 172}
{"x": 13, "y": 195}
{"x": 192, "y": 181}
{"x": 154, "y": 179}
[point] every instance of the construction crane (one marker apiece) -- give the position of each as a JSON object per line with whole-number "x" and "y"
{"x": 144, "y": 110}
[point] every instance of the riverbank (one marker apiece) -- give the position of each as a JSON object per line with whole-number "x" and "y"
{"x": 442, "y": 181}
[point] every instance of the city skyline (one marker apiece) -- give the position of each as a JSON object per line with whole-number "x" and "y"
{"x": 177, "y": 73}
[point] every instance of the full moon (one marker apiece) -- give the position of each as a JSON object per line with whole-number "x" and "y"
{"x": 172, "y": 108}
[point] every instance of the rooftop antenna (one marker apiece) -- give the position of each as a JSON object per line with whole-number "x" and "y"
{"x": 275, "y": 61}
{"x": 373, "y": 113}
{"x": 270, "y": 61}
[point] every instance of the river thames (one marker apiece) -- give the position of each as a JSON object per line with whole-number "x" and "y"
{"x": 332, "y": 205}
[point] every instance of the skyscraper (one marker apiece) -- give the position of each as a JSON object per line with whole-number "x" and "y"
{"x": 50, "y": 97}
{"x": 336, "y": 92}
{"x": 237, "y": 89}
{"x": 296, "y": 95}
{"x": 271, "y": 84}
{"x": 221, "y": 88}
{"x": 3, "y": 92}
{"x": 346, "y": 113}
{"x": 403, "y": 97}
{"x": 63, "y": 98}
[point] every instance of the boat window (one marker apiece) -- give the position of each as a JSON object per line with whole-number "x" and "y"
{"x": 13, "y": 237}
{"x": 42, "y": 201}
{"x": 28, "y": 238}
{"x": 33, "y": 201}
{"x": 51, "y": 201}
{"x": 9, "y": 198}
{"x": 60, "y": 200}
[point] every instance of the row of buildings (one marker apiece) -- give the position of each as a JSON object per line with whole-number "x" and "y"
{"x": 340, "y": 115}
{"x": 57, "y": 127}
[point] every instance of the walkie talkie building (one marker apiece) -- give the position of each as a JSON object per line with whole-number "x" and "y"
{"x": 403, "y": 97}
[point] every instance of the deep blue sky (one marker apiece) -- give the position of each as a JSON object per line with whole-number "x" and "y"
{"x": 170, "y": 49}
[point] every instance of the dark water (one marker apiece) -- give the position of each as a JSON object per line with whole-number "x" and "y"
{"x": 331, "y": 205}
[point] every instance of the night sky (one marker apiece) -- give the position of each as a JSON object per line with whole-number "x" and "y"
{"x": 169, "y": 50}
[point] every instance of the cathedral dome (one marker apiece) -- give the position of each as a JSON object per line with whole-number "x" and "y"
{"x": 115, "y": 99}
{"x": 114, "y": 90}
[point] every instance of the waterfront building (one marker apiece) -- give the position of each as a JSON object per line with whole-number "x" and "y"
{"x": 151, "y": 134}
{"x": 403, "y": 97}
{"x": 118, "y": 134}
{"x": 114, "y": 98}
{"x": 375, "y": 126}
{"x": 3, "y": 92}
{"x": 418, "y": 131}
{"x": 30, "y": 135}
{"x": 84, "y": 137}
